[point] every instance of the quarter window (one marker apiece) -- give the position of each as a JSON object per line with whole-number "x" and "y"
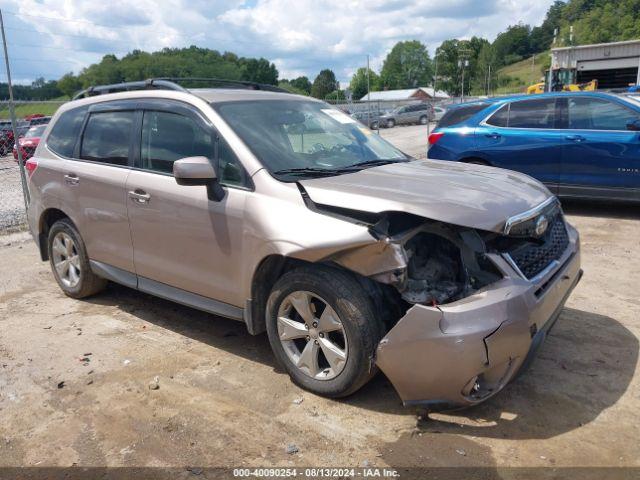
{"x": 64, "y": 134}
{"x": 500, "y": 118}
{"x": 597, "y": 114}
{"x": 167, "y": 137}
{"x": 107, "y": 137}
{"x": 231, "y": 171}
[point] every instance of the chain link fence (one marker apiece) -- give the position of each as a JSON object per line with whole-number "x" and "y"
{"x": 31, "y": 119}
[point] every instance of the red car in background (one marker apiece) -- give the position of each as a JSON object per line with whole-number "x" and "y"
{"x": 29, "y": 142}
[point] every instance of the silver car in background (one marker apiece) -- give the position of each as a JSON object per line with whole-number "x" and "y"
{"x": 421, "y": 113}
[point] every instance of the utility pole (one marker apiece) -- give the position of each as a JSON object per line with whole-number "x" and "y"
{"x": 463, "y": 63}
{"x": 369, "y": 97}
{"x": 489, "y": 81}
{"x": 435, "y": 77}
{"x": 12, "y": 113}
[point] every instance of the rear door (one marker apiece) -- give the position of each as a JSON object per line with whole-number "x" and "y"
{"x": 601, "y": 156}
{"x": 522, "y": 136}
{"x": 94, "y": 179}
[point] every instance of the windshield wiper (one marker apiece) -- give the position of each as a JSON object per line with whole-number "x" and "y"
{"x": 310, "y": 171}
{"x": 370, "y": 163}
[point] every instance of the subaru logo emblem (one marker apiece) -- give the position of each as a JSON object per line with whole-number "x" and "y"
{"x": 541, "y": 225}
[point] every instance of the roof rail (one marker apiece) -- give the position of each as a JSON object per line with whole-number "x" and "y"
{"x": 170, "y": 83}
{"x": 148, "y": 84}
{"x": 226, "y": 83}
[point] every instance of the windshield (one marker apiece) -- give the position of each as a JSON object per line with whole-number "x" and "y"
{"x": 295, "y": 138}
{"x": 35, "y": 131}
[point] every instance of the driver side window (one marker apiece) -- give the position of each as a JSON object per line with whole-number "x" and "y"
{"x": 167, "y": 137}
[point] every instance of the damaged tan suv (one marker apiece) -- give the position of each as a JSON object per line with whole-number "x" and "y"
{"x": 284, "y": 213}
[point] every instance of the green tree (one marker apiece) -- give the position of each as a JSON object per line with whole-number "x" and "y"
{"x": 259, "y": 70}
{"x": 69, "y": 84}
{"x": 358, "y": 85}
{"x": 302, "y": 83}
{"x": 406, "y": 66}
{"x": 512, "y": 45}
{"x": 324, "y": 84}
{"x": 288, "y": 86}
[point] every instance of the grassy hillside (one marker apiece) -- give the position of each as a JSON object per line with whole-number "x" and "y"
{"x": 45, "y": 108}
{"x": 517, "y": 76}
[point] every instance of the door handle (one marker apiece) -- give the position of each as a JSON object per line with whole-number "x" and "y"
{"x": 575, "y": 138}
{"x": 71, "y": 179}
{"x": 493, "y": 135}
{"x": 139, "y": 196}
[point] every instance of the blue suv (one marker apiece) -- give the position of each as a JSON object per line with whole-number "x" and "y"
{"x": 584, "y": 144}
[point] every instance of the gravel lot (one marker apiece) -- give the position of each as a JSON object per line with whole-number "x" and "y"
{"x": 11, "y": 200}
{"x": 222, "y": 401}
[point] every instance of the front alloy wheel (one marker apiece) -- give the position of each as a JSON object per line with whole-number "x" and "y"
{"x": 324, "y": 329}
{"x": 312, "y": 335}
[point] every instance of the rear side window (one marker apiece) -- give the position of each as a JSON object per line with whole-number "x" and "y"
{"x": 500, "y": 118}
{"x": 597, "y": 114}
{"x": 460, "y": 114}
{"x": 64, "y": 134}
{"x": 167, "y": 137}
{"x": 532, "y": 114}
{"x": 107, "y": 137}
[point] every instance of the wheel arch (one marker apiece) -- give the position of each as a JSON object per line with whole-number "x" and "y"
{"x": 47, "y": 219}
{"x": 266, "y": 274}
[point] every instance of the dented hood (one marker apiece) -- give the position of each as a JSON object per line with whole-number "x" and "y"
{"x": 461, "y": 194}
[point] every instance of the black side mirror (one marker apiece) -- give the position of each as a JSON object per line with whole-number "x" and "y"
{"x": 634, "y": 125}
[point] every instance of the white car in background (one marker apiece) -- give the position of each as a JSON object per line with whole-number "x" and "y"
{"x": 438, "y": 113}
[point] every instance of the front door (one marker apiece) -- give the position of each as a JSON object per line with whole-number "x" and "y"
{"x": 601, "y": 156}
{"x": 180, "y": 237}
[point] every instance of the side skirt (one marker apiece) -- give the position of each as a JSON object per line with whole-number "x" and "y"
{"x": 167, "y": 292}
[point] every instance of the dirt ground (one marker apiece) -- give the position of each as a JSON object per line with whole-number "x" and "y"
{"x": 75, "y": 375}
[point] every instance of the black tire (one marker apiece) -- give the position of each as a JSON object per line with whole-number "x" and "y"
{"x": 424, "y": 120}
{"x": 89, "y": 283}
{"x": 362, "y": 327}
{"x": 374, "y": 125}
{"x": 391, "y": 123}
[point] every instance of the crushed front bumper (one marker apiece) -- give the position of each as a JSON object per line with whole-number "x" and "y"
{"x": 462, "y": 353}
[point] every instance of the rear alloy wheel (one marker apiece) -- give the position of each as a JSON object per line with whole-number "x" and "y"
{"x": 323, "y": 329}
{"x": 424, "y": 120}
{"x": 70, "y": 263}
{"x": 66, "y": 260}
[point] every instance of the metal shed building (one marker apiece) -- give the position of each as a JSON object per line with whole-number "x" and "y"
{"x": 614, "y": 65}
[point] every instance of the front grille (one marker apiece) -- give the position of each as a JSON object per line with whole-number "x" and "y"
{"x": 532, "y": 258}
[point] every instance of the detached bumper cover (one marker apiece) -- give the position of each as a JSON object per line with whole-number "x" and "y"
{"x": 462, "y": 353}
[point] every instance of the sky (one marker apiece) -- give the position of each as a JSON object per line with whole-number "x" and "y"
{"x": 47, "y": 38}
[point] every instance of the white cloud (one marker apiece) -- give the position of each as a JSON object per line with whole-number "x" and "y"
{"x": 301, "y": 36}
